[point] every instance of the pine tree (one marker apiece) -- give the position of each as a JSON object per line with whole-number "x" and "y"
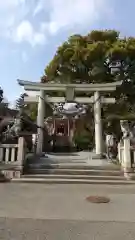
{"x": 20, "y": 101}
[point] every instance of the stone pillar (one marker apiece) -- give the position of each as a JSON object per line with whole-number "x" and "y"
{"x": 127, "y": 159}
{"x": 20, "y": 157}
{"x": 40, "y": 122}
{"x": 98, "y": 124}
{"x": 68, "y": 123}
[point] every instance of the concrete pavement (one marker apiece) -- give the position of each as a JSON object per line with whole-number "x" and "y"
{"x": 29, "y": 229}
{"x": 66, "y": 202}
{"x": 61, "y": 212}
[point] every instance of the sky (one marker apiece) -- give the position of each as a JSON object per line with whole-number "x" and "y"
{"x": 31, "y": 31}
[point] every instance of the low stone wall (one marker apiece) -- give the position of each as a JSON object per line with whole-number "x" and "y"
{"x": 12, "y": 158}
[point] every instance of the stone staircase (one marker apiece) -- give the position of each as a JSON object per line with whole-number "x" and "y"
{"x": 70, "y": 168}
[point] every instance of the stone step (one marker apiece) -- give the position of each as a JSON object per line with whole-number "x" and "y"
{"x": 81, "y": 177}
{"x": 63, "y": 160}
{"x": 74, "y": 166}
{"x": 69, "y": 171}
{"x": 71, "y": 181}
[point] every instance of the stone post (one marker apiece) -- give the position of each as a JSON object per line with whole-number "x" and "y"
{"x": 20, "y": 155}
{"x": 40, "y": 122}
{"x": 98, "y": 124}
{"x": 120, "y": 155}
{"x": 127, "y": 159}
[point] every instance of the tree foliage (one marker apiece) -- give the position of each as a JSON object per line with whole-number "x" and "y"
{"x": 99, "y": 57}
{"x": 30, "y": 109}
{"x": 20, "y": 101}
{"x": 3, "y": 103}
{"x": 1, "y": 94}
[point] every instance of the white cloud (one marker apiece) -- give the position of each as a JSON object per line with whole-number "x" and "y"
{"x": 14, "y": 23}
{"x": 11, "y": 13}
{"x": 10, "y": 3}
{"x": 69, "y": 14}
{"x": 17, "y": 17}
{"x": 42, "y": 5}
{"x": 25, "y": 32}
{"x": 38, "y": 7}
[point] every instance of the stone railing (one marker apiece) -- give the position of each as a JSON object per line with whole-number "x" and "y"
{"x": 126, "y": 156}
{"x": 11, "y": 158}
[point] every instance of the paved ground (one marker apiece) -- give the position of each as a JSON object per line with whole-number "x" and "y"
{"x": 28, "y": 229}
{"x": 36, "y": 212}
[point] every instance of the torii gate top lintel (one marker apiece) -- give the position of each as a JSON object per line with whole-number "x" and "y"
{"x": 37, "y": 86}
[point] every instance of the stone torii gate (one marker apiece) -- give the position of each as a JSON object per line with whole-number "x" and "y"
{"x": 70, "y": 89}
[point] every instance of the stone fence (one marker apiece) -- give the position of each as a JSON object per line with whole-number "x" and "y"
{"x": 126, "y": 156}
{"x": 12, "y": 158}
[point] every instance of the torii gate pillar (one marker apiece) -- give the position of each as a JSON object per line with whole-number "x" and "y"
{"x": 40, "y": 122}
{"x": 98, "y": 125}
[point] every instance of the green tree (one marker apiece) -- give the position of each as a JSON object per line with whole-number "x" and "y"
{"x": 3, "y": 103}
{"x": 100, "y": 56}
{"x": 1, "y": 94}
{"x": 30, "y": 109}
{"x": 20, "y": 101}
